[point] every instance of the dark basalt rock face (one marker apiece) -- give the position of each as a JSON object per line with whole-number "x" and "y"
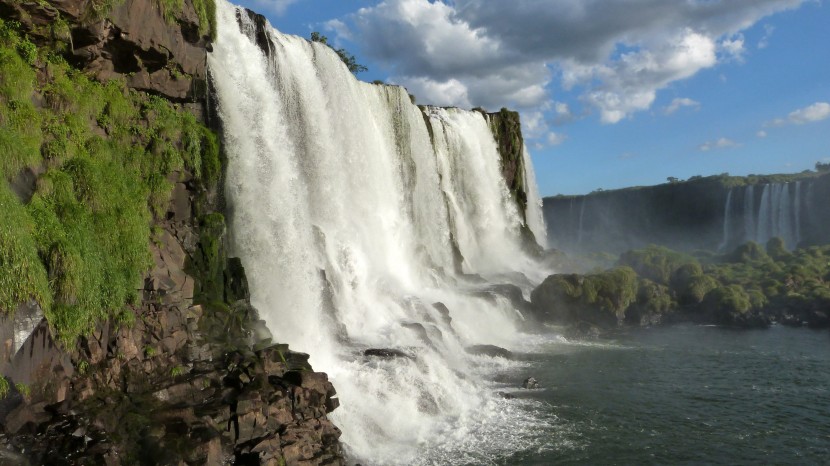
{"x": 133, "y": 41}
{"x": 166, "y": 391}
{"x": 507, "y": 129}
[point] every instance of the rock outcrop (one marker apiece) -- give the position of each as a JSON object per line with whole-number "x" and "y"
{"x": 133, "y": 41}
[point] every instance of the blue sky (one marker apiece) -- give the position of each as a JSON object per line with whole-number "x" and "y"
{"x": 612, "y": 93}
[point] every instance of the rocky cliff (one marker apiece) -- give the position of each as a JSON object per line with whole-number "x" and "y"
{"x": 713, "y": 213}
{"x": 128, "y": 334}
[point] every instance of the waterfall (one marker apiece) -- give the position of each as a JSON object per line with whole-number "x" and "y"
{"x": 785, "y": 217}
{"x": 779, "y": 214}
{"x": 764, "y": 229}
{"x": 749, "y": 214}
{"x": 534, "y": 215}
{"x": 581, "y": 216}
{"x": 727, "y": 214}
{"x": 775, "y": 210}
{"x": 797, "y": 212}
{"x": 346, "y": 208}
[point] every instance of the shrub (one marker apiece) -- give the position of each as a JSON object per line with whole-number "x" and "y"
{"x": 654, "y": 262}
{"x": 747, "y": 252}
{"x": 612, "y": 291}
{"x": 777, "y": 250}
{"x": 727, "y": 303}
{"x": 654, "y": 298}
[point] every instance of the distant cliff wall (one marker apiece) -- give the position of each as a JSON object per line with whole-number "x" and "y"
{"x": 712, "y": 213}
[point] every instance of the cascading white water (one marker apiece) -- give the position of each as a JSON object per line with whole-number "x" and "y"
{"x": 764, "y": 231}
{"x": 779, "y": 214}
{"x": 535, "y": 218}
{"x": 797, "y": 210}
{"x": 749, "y": 214}
{"x": 775, "y": 210}
{"x": 727, "y": 218}
{"x": 345, "y": 206}
{"x": 785, "y": 218}
{"x": 581, "y": 216}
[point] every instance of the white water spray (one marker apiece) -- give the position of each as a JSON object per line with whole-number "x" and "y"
{"x": 581, "y": 216}
{"x": 727, "y": 219}
{"x": 779, "y": 214}
{"x": 535, "y": 217}
{"x": 749, "y": 213}
{"x": 345, "y": 206}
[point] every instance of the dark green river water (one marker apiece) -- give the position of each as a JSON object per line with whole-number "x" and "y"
{"x": 682, "y": 395}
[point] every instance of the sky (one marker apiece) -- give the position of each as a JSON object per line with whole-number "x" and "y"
{"x": 612, "y": 93}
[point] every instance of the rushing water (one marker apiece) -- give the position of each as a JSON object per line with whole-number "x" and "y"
{"x": 682, "y": 395}
{"x": 347, "y": 202}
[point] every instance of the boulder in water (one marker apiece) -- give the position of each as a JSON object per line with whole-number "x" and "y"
{"x": 420, "y": 331}
{"x": 386, "y": 353}
{"x": 444, "y": 311}
{"x": 530, "y": 383}
{"x": 489, "y": 350}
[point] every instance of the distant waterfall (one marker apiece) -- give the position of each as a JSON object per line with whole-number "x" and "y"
{"x": 347, "y": 206}
{"x": 778, "y": 214}
{"x": 727, "y": 219}
{"x": 581, "y": 216}
{"x": 749, "y": 213}
{"x": 797, "y": 209}
{"x": 785, "y": 218}
{"x": 764, "y": 228}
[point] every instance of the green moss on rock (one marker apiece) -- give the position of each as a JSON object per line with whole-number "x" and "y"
{"x": 105, "y": 157}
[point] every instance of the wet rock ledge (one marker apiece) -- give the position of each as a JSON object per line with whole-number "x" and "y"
{"x": 170, "y": 390}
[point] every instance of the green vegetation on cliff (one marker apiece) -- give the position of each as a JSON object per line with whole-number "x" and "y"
{"x": 102, "y": 161}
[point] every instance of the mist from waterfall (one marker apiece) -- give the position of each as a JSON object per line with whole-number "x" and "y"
{"x": 346, "y": 203}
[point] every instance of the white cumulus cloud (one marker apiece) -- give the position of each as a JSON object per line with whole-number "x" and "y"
{"x": 616, "y": 56}
{"x": 678, "y": 103}
{"x": 810, "y": 114}
{"x": 554, "y": 139}
{"x": 816, "y": 112}
{"x": 721, "y": 143}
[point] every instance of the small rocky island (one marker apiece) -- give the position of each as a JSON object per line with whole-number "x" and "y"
{"x": 749, "y": 287}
